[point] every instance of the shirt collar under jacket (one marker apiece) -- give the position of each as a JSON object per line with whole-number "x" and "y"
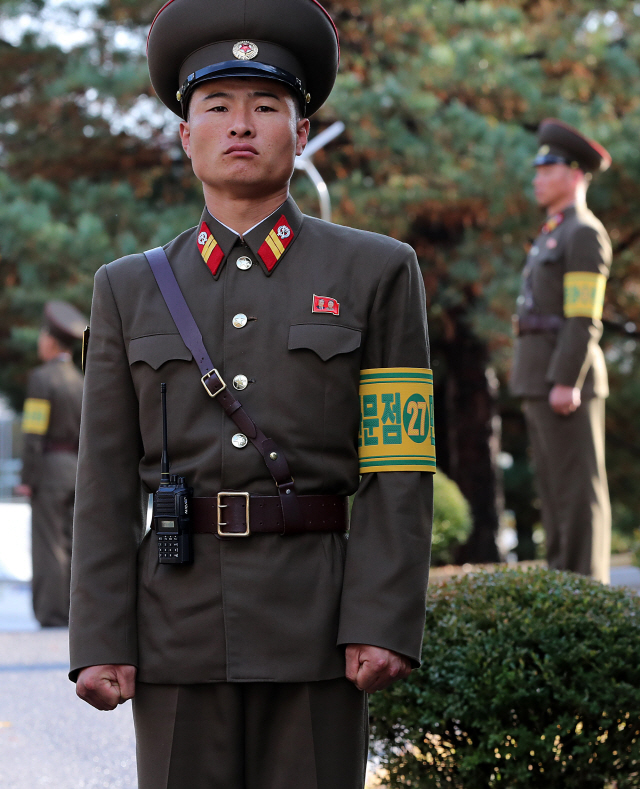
{"x": 268, "y": 241}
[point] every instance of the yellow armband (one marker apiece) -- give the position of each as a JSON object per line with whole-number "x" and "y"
{"x": 35, "y": 418}
{"x": 584, "y": 294}
{"x": 396, "y": 420}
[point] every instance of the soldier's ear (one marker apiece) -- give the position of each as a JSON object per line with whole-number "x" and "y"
{"x": 185, "y": 136}
{"x": 302, "y": 131}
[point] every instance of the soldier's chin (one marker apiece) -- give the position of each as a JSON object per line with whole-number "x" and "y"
{"x": 541, "y": 201}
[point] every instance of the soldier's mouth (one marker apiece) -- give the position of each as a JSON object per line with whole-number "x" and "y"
{"x": 242, "y": 148}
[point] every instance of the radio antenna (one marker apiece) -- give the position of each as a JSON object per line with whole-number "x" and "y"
{"x": 164, "y": 465}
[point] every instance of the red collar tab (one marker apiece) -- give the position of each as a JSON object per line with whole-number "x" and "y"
{"x": 209, "y": 248}
{"x": 274, "y": 245}
{"x": 325, "y": 304}
{"x": 551, "y": 223}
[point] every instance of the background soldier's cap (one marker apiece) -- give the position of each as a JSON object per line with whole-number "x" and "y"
{"x": 561, "y": 143}
{"x": 63, "y": 321}
{"x": 292, "y": 41}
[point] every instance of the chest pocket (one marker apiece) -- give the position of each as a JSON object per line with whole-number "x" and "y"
{"x": 156, "y": 349}
{"x": 326, "y": 340}
{"x": 549, "y": 256}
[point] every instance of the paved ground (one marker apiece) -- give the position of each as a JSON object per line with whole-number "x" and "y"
{"x": 48, "y": 737}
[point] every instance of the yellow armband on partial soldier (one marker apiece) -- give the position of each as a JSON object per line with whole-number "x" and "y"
{"x": 396, "y": 420}
{"x": 584, "y": 294}
{"x": 35, "y": 418}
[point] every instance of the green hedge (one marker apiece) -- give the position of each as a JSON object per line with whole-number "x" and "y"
{"x": 451, "y": 519}
{"x": 529, "y": 679}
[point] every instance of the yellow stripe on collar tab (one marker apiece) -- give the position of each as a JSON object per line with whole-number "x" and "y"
{"x": 396, "y": 420}
{"x": 584, "y": 294}
{"x": 35, "y": 418}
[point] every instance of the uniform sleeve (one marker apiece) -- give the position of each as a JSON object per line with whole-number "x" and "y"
{"x": 388, "y": 553}
{"x": 588, "y": 259}
{"x": 35, "y": 425}
{"x": 109, "y": 518}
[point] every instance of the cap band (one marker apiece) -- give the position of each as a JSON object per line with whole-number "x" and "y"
{"x": 552, "y": 158}
{"x": 241, "y": 68}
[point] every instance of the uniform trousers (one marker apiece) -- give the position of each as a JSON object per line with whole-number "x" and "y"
{"x": 51, "y": 532}
{"x": 255, "y": 735}
{"x": 569, "y": 459}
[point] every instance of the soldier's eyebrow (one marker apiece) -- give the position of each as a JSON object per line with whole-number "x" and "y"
{"x": 264, "y": 94}
{"x": 220, "y": 94}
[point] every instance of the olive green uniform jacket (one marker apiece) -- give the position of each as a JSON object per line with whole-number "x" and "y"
{"x": 49, "y": 459}
{"x": 265, "y": 608}
{"x": 572, "y": 356}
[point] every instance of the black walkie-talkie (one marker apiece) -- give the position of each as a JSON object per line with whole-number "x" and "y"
{"x": 172, "y": 507}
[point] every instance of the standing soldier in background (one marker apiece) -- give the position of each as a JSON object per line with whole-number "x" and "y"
{"x": 558, "y": 367}
{"x": 51, "y": 426}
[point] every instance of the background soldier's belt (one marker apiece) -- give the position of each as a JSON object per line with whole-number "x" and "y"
{"x": 534, "y": 324}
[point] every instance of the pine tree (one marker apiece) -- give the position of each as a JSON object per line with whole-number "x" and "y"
{"x": 441, "y": 100}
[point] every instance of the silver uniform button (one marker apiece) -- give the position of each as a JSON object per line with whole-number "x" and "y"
{"x": 534, "y": 251}
{"x": 240, "y": 320}
{"x": 240, "y": 440}
{"x": 240, "y": 382}
{"x": 244, "y": 263}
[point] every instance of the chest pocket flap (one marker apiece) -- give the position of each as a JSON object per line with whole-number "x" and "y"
{"x": 156, "y": 349}
{"x": 324, "y": 339}
{"x": 549, "y": 255}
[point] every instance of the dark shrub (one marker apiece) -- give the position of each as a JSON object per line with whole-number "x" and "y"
{"x": 451, "y": 519}
{"x": 529, "y": 679}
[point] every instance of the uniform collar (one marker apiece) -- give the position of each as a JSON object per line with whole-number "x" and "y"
{"x": 269, "y": 240}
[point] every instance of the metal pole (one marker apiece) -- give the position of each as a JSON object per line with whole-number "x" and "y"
{"x": 303, "y": 162}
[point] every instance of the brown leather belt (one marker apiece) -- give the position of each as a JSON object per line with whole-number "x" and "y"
{"x": 60, "y": 446}
{"x": 235, "y": 514}
{"x": 536, "y": 324}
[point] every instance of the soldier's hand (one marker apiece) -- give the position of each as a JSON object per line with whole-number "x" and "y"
{"x": 564, "y": 400}
{"x": 23, "y": 490}
{"x": 104, "y": 687}
{"x": 372, "y": 668}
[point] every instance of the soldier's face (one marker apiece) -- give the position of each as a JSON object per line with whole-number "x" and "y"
{"x": 242, "y": 136}
{"x": 555, "y": 183}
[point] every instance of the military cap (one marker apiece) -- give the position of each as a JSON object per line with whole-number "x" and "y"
{"x": 63, "y": 321}
{"x": 292, "y": 41}
{"x": 561, "y": 143}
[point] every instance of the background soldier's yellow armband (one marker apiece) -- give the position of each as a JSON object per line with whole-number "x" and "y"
{"x": 584, "y": 294}
{"x": 35, "y": 418}
{"x": 396, "y": 420}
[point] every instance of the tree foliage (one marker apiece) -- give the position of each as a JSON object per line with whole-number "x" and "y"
{"x": 441, "y": 100}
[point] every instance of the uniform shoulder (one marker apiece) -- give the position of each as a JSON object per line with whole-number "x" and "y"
{"x": 39, "y": 382}
{"x": 584, "y": 224}
{"x": 587, "y": 244}
{"x": 354, "y": 238}
{"x": 40, "y": 373}
{"x": 133, "y": 265}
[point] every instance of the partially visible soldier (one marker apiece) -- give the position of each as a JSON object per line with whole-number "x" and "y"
{"x": 559, "y": 368}
{"x": 51, "y": 427}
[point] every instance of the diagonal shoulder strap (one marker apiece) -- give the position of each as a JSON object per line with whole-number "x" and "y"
{"x": 216, "y": 388}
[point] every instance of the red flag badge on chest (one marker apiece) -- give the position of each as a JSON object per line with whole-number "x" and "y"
{"x": 274, "y": 245}
{"x": 209, "y": 249}
{"x": 325, "y": 304}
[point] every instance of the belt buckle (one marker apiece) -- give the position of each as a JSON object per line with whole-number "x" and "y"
{"x": 220, "y": 522}
{"x": 206, "y": 377}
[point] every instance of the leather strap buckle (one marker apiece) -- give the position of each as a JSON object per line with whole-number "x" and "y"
{"x": 206, "y": 377}
{"x": 220, "y": 522}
